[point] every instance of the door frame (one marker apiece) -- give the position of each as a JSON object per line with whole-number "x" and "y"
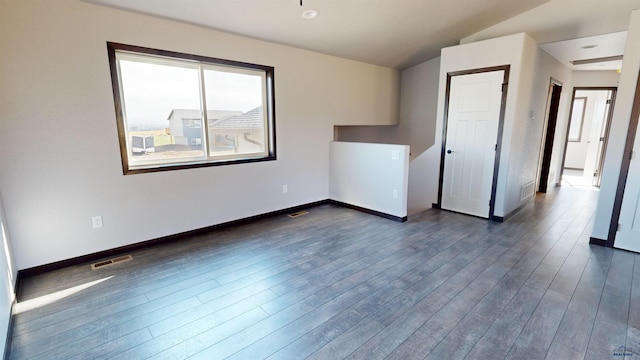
{"x": 614, "y": 92}
{"x": 548, "y": 135}
{"x": 496, "y": 164}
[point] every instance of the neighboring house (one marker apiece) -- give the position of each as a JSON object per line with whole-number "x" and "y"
{"x": 185, "y": 125}
{"x": 228, "y": 130}
{"x": 242, "y": 133}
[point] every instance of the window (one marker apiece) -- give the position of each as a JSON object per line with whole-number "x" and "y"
{"x": 577, "y": 118}
{"x": 177, "y": 111}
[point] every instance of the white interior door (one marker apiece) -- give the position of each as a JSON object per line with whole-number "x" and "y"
{"x": 595, "y": 136}
{"x": 628, "y": 234}
{"x": 470, "y": 144}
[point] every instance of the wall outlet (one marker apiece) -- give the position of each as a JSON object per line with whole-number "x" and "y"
{"x": 395, "y": 193}
{"x": 97, "y": 221}
{"x": 285, "y": 189}
{"x": 395, "y": 155}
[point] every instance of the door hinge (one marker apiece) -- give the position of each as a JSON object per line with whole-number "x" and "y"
{"x": 496, "y": 149}
{"x": 609, "y": 102}
{"x": 618, "y": 227}
{"x": 631, "y": 155}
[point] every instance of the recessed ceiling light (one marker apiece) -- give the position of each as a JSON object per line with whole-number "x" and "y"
{"x": 589, "y": 46}
{"x": 310, "y": 14}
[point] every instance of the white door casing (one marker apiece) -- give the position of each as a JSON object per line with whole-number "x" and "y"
{"x": 473, "y": 118}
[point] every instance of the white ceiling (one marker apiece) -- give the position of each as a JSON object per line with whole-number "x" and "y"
{"x": 393, "y": 33}
{"x": 563, "y": 27}
{"x": 592, "y": 50}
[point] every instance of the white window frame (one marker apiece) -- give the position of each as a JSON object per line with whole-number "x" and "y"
{"x": 118, "y": 51}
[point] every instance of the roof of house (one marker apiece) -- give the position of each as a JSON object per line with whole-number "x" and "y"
{"x": 252, "y": 119}
{"x": 196, "y": 114}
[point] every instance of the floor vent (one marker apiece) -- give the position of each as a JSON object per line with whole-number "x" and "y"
{"x": 110, "y": 262}
{"x": 528, "y": 190}
{"x": 297, "y": 214}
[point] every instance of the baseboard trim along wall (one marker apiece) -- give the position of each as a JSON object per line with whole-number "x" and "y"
{"x": 7, "y": 342}
{"x": 515, "y": 211}
{"x": 596, "y": 241}
{"x": 369, "y": 211}
{"x": 148, "y": 243}
{"x": 101, "y": 255}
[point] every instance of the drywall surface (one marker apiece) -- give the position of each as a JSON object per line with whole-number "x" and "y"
{"x": 546, "y": 70}
{"x": 368, "y": 134}
{"x": 595, "y": 78}
{"x": 417, "y": 128}
{"x": 59, "y": 152}
{"x": 507, "y": 50}
{"x": 421, "y": 124}
{"x": 619, "y": 129}
{"x": 523, "y": 132}
{"x": 556, "y": 20}
{"x": 485, "y": 54}
{"x": 418, "y": 122}
{"x": 371, "y": 176}
{"x": 7, "y": 277}
{"x": 531, "y": 70}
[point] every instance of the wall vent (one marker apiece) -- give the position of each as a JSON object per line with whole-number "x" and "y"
{"x": 297, "y": 214}
{"x": 528, "y": 190}
{"x": 110, "y": 262}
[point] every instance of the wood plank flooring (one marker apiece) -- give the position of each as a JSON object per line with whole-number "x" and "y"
{"x": 341, "y": 284}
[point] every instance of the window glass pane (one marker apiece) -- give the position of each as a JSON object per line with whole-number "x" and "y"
{"x": 162, "y": 112}
{"x": 235, "y": 111}
{"x": 577, "y": 118}
{"x": 161, "y": 98}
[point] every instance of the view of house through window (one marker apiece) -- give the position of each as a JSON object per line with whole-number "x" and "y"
{"x": 175, "y": 111}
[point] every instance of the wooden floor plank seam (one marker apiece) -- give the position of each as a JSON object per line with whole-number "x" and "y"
{"x": 341, "y": 284}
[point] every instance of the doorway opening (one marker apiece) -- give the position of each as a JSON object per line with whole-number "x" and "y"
{"x": 587, "y": 136}
{"x": 544, "y": 164}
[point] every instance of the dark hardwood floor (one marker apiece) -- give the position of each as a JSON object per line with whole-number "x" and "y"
{"x": 337, "y": 283}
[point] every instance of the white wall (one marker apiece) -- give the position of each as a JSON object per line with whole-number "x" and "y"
{"x": 619, "y": 129}
{"x": 577, "y": 151}
{"x": 506, "y": 50}
{"x": 59, "y": 155}
{"x": 547, "y": 68}
{"x": 607, "y": 78}
{"x": 7, "y": 277}
{"x": 417, "y": 127}
{"x": 371, "y": 176}
{"x": 489, "y": 53}
{"x": 530, "y": 73}
{"x": 418, "y": 122}
{"x": 423, "y": 89}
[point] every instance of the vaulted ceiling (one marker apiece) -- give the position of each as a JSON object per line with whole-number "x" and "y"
{"x": 393, "y": 33}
